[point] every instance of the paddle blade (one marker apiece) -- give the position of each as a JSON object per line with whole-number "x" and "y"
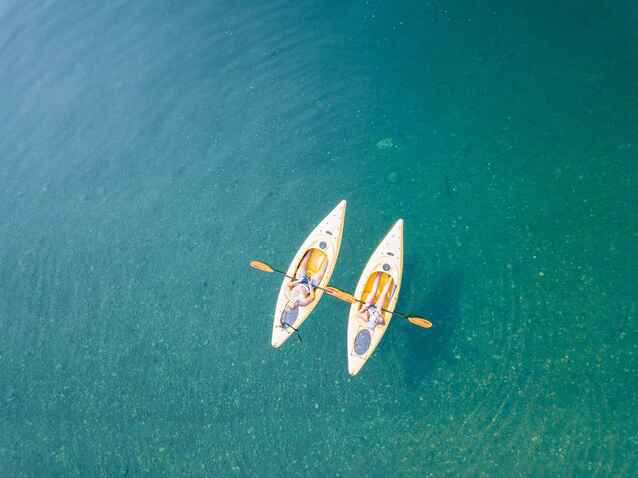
{"x": 420, "y": 321}
{"x": 261, "y": 266}
{"x": 339, "y": 294}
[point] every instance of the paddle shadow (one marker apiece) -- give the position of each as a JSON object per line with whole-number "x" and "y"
{"x": 428, "y": 347}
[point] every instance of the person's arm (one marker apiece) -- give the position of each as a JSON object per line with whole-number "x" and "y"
{"x": 293, "y": 283}
{"x": 362, "y": 314}
{"x": 381, "y": 317}
{"x": 307, "y": 300}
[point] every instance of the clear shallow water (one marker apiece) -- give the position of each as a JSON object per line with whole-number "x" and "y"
{"x": 149, "y": 151}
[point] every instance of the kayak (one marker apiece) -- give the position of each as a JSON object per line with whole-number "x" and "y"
{"x": 323, "y": 246}
{"x": 386, "y": 263}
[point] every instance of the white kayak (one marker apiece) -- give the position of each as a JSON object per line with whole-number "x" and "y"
{"x": 385, "y": 264}
{"x": 322, "y": 246}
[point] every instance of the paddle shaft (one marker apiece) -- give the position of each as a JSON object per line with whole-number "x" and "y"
{"x": 292, "y": 278}
{"x": 401, "y": 314}
{"x": 353, "y": 297}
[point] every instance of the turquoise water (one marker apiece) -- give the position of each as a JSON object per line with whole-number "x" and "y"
{"x": 149, "y": 150}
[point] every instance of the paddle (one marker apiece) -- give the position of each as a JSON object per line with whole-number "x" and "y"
{"x": 345, "y": 296}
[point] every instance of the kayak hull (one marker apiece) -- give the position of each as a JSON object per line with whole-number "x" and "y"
{"x": 387, "y": 261}
{"x": 324, "y": 243}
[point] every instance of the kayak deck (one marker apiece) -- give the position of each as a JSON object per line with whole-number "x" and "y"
{"x": 386, "y": 262}
{"x": 323, "y": 243}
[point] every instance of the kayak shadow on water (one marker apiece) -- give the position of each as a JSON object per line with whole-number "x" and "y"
{"x": 426, "y": 348}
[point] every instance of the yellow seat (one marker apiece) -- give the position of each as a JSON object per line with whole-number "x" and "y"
{"x": 315, "y": 262}
{"x": 370, "y": 285}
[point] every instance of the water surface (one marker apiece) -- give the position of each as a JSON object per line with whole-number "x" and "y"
{"x": 149, "y": 150}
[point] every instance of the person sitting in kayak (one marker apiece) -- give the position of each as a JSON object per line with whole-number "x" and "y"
{"x": 302, "y": 289}
{"x": 371, "y": 312}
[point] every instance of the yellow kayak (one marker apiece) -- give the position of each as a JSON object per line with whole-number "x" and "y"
{"x": 320, "y": 250}
{"x": 385, "y": 267}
